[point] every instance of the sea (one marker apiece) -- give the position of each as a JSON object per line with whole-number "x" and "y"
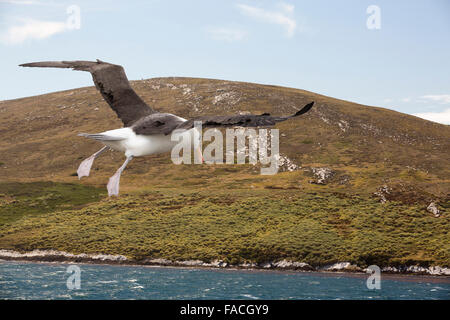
{"x": 49, "y": 281}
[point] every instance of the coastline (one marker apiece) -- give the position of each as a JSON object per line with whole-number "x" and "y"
{"x": 61, "y": 257}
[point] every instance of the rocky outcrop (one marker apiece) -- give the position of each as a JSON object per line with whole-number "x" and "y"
{"x": 230, "y": 97}
{"x": 158, "y": 262}
{"x": 432, "y": 208}
{"x": 322, "y": 175}
{"x": 292, "y": 265}
{"x": 382, "y": 192}
{"x": 189, "y": 263}
{"x": 248, "y": 265}
{"x": 216, "y": 264}
{"x": 61, "y": 256}
{"x": 266, "y": 265}
{"x": 54, "y": 255}
{"x": 286, "y": 165}
{"x": 341, "y": 266}
{"x": 433, "y": 270}
{"x": 438, "y": 271}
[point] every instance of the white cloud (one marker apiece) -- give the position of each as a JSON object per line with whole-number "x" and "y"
{"x": 441, "y": 98}
{"x": 21, "y": 2}
{"x": 227, "y": 34}
{"x": 288, "y": 8}
{"x": 405, "y": 100}
{"x": 33, "y": 3}
{"x": 32, "y": 29}
{"x": 440, "y": 117}
{"x": 283, "y": 17}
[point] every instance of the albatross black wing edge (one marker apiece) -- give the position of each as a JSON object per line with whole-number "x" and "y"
{"x": 249, "y": 120}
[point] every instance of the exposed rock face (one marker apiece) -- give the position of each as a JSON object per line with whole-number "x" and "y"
{"x": 230, "y": 97}
{"x": 189, "y": 263}
{"x": 382, "y": 193}
{"x": 388, "y": 270}
{"x": 341, "y": 266}
{"x": 322, "y": 175}
{"x": 434, "y": 270}
{"x": 54, "y": 255}
{"x": 417, "y": 269}
{"x": 159, "y": 262}
{"x": 248, "y": 265}
{"x": 267, "y": 265}
{"x": 294, "y": 265}
{"x": 286, "y": 164}
{"x": 343, "y": 125}
{"x": 433, "y": 209}
{"x": 216, "y": 264}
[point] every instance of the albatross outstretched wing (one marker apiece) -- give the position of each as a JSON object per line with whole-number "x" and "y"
{"x": 112, "y": 82}
{"x": 250, "y": 120}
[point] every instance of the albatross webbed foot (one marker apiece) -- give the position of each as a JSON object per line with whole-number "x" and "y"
{"x": 113, "y": 183}
{"x": 85, "y": 167}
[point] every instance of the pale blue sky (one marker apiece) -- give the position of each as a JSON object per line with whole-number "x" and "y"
{"x": 321, "y": 46}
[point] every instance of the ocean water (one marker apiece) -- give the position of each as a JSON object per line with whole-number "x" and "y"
{"x": 49, "y": 281}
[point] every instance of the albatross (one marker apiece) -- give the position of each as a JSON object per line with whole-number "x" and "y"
{"x": 146, "y": 131}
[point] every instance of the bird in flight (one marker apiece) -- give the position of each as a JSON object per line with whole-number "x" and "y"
{"x": 146, "y": 131}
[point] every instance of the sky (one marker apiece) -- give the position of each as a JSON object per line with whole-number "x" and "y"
{"x": 391, "y": 54}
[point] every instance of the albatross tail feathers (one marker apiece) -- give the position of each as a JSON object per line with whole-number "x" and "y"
{"x": 101, "y": 137}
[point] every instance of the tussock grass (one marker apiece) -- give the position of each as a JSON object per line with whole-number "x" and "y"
{"x": 240, "y": 225}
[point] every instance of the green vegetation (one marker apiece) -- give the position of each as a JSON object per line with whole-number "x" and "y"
{"x": 239, "y": 225}
{"x": 36, "y": 198}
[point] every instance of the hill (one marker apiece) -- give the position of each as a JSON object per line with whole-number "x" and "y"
{"x": 355, "y": 185}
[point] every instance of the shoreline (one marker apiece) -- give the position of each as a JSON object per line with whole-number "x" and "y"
{"x": 344, "y": 268}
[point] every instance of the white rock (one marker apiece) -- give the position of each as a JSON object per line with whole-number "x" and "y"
{"x": 287, "y": 164}
{"x": 190, "y": 262}
{"x": 248, "y": 265}
{"x": 343, "y": 125}
{"x": 230, "y": 97}
{"x": 432, "y": 208}
{"x": 216, "y": 264}
{"x": 382, "y": 192}
{"x": 387, "y": 269}
{"x": 285, "y": 264}
{"x": 340, "y": 266}
{"x": 436, "y": 270}
{"x": 322, "y": 175}
{"x": 416, "y": 269}
{"x": 158, "y": 261}
{"x": 60, "y": 254}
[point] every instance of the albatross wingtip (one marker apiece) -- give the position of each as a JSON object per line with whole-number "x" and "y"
{"x": 305, "y": 109}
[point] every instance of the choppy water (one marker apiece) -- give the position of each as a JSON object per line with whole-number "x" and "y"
{"x": 49, "y": 281}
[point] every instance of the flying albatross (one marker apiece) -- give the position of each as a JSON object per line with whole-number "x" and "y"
{"x": 145, "y": 130}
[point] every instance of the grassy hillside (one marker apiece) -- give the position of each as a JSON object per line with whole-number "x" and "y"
{"x": 386, "y": 168}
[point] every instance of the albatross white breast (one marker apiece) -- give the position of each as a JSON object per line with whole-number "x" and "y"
{"x": 137, "y": 145}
